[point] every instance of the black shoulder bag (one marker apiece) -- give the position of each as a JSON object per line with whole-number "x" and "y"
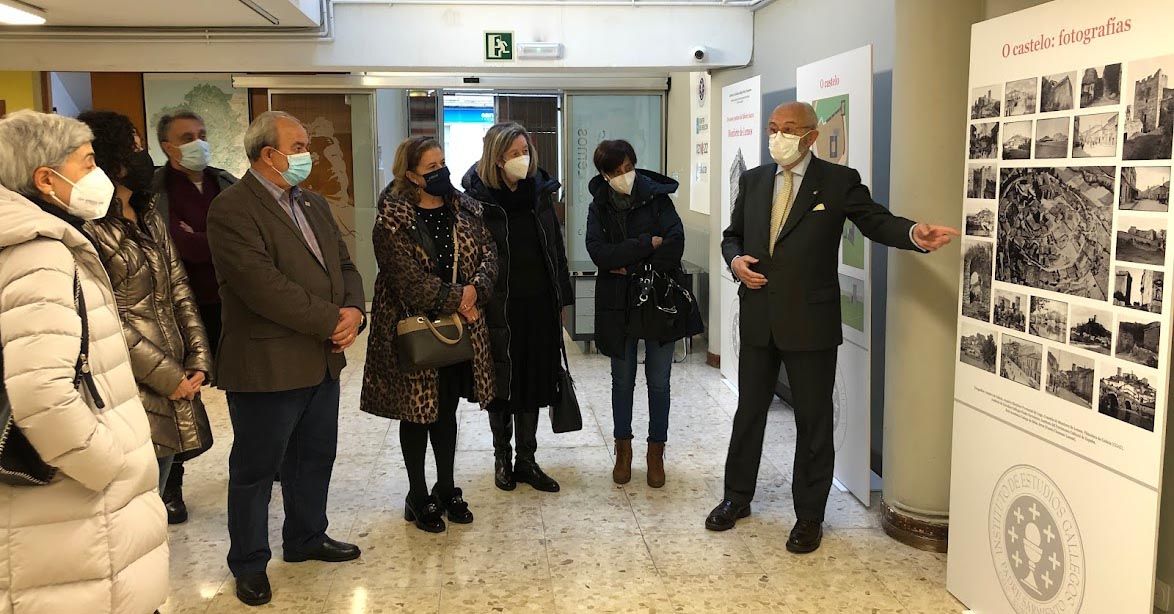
{"x": 20, "y": 465}
{"x": 565, "y": 416}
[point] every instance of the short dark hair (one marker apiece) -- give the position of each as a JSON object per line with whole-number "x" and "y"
{"x": 114, "y": 141}
{"x": 610, "y": 155}
{"x": 164, "y": 125}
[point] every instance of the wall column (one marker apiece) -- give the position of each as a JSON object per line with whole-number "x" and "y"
{"x": 929, "y": 112}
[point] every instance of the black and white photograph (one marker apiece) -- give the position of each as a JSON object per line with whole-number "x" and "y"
{"x": 1127, "y": 396}
{"x": 976, "y": 275}
{"x": 986, "y": 102}
{"x": 981, "y": 181}
{"x": 1137, "y": 288}
{"x": 1141, "y": 239}
{"x": 1145, "y": 188}
{"x": 1149, "y": 114}
{"x": 1100, "y": 86}
{"x": 980, "y": 219}
{"x": 1094, "y": 136}
{"x": 1071, "y": 377}
{"x": 1049, "y": 318}
{"x": 1017, "y": 140}
{"x": 1092, "y": 329}
{"x": 984, "y": 140}
{"x": 977, "y": 347}
{"x": 1052, "y": 138}
{"x": 1010, "y": 309}
{"x": 1022, "y": 361}
{"x": 1057, "y": 92}
{"x": 1137, "y": 341}
{"x": 1055, "y": 229}
{"x": 1022, "y": 96}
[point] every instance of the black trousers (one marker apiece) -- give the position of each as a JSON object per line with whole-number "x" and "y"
{"x": 812, "y": 376}
{"x": 297, "y": 432}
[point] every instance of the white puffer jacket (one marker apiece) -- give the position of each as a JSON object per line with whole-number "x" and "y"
{"x": 94, "y": 541}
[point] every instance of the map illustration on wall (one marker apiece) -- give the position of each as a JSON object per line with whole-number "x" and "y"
{"x": 225, "y": 111}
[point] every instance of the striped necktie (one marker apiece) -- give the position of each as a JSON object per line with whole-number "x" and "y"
{"x": 780, "y": 209}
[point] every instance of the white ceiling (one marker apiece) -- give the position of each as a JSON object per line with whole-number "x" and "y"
{"x": 178, "y": 13}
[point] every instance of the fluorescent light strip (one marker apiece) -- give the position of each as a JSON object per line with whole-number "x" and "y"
{"x": 17, "y": 13}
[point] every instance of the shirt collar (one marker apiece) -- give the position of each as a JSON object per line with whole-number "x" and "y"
{"x": 278, "y": 193}
{"x": 800, "y": 168}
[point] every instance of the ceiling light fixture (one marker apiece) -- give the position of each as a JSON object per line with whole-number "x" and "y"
{"x": 17, "y": 13}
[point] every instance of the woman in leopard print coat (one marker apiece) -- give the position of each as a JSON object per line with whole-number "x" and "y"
{"x": 413, "y": 238}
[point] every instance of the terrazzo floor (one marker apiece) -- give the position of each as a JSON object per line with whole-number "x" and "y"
{"x": 594, "y": 547}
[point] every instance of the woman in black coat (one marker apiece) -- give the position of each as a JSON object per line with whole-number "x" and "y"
{"x": 631, "y": 225}
{"x": 533, "y": 285}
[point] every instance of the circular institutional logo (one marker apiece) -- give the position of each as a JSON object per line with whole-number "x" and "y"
{"x": 839, "y": 405}
{"x": 701, "y": 92}
{"x": 1035, "y": 544}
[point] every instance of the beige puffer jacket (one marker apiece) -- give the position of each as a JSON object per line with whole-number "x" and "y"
{"x": 94, "y": 541}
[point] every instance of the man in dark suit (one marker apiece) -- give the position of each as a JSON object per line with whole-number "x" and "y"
{"x": 785, "y": 229}
{"x": 292, "y": 304}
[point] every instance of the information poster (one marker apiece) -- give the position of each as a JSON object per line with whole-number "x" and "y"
{"x": 1064, "y": 337}
{"x": 699, "y": 160}
{"x": 742, "y": 138}
{"x": 840, "y": 89}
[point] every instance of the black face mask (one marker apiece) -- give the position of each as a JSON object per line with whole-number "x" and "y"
{"x": 140, "y": 171}
{"x": 438, "y": 182}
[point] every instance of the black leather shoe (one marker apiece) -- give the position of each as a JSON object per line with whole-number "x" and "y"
{"x": 330, "y": 551}
{"x": 427, "y": 517}
{"x": 503, "y": 473}
{"x": 177, "y": 510}
{"x": 805, "y": 537}
{"x": 528, "y": 472}
{"x": 726, "y": 515}
{"x": 253, "y": 589}
{"x": 456, "y": 508}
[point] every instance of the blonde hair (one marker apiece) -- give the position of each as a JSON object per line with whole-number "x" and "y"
{"x": 407, "y": 158}
{"x": 498, "y": 139}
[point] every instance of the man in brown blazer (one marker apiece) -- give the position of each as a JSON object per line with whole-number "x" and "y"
{"x": 292, "y": 304}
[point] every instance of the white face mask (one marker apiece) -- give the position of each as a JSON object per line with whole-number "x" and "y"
{"x": 623, "y": 183}
{"x": 196, "y": 155}
{"x": 91, "y": 195}
{"x": 784, "y": 148}
{"x": 518, "y": 168}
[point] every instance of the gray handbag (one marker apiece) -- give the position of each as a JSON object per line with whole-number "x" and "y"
{"x": 422, "y": 343}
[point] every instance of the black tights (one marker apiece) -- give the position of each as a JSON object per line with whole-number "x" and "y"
{"x": 413, "y": 439}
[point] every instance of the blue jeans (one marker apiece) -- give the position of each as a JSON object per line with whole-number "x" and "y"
{"x": 658, "y": 366}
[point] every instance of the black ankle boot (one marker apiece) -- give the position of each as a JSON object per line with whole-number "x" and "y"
{"x": 426, "y": 515}
{"x": 177, "y": 510}
{"x": 526, "y": 469}
{"x": 500, "y": 423}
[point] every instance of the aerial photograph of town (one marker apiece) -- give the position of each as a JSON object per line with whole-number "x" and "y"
{"x": 1145, "y": 188}
{"x": 1070, "y": 377}
{"x": 1092, "y": 328}
{"x": 1128, "y": 397}
{"x": 1055, "y": 226}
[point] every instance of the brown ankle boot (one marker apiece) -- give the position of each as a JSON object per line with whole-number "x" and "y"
{"x": 622, "y": 474}
{"x": 655, "y": 465}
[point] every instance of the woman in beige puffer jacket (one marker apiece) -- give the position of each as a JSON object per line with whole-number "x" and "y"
{"x": 94, "y": 540}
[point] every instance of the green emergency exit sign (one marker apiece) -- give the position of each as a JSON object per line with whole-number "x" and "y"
{"x": 499, "y": 46}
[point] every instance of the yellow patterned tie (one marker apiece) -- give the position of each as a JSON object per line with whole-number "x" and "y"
{"x": 780, "y": 209}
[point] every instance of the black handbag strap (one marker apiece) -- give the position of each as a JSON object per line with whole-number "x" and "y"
{"x": 82, "y": 372}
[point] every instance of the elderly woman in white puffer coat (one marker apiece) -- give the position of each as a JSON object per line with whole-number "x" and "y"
{"x": 94, "y": 540}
